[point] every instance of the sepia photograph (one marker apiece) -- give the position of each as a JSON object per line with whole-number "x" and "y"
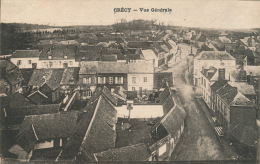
{"x": 130, "y": 81}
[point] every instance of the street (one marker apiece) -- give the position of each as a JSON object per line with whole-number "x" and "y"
{"x": 199, "y": 141}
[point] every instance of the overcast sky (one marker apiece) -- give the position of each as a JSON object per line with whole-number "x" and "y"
{"x": 192, "y": 13}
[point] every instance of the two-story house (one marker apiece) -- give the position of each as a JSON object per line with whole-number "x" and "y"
{"x": 207, "y": 59}
{"x": 87, "y": 78}
{"x": 112, "y": 74}
{"x": 58, "y": 57}
{"x": 26, "y": 58}
{"x": 140, "y": 76}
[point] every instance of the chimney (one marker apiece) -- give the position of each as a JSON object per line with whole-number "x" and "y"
{"x": 221, "y": 74}
{"x": 242, "y": 75}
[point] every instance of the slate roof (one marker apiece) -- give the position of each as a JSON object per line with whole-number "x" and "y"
{"x": 102, "y": 91}
{"x": 138, "y": 152}
{"x": 88, "y": 67}
{"x": 70, "y": 76}
{"x": 241, "y": 100}
{"x": 218, "y": 84}
{"x": 149, "y": 54}
{"x": 140, "y": 67}
{"x": 214, "y": 55}
{"x": 58, "y": 54}
{"x": 52, "y": 77}
{"x": 26, "y": 54}
{"x": 112, "y": 67}
{"x": 94, "y": 131}
{"x": 227, "y": 93}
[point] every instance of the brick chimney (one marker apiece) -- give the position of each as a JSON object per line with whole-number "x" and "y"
{"x": 242, "y": 74}
{"x": 221, "y": 74}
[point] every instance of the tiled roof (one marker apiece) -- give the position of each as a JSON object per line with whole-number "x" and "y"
{"x": 32, "y": 110}
{"x": 112, "y": 57}
{"x": 112, "y": 67}
{"x": 140, "y": 67}
{"x": 102, "y": 91}
{"x": 38, "y": 97}
{"x": 4, "y": 86}
{"x": 138, "y": 152}
{"x": 18, "y": 100}
{"x": 244, "y": 88}
{"x": 13, "y": 73}
{"x": 91, "y": 49}
{"x": 209, "y": 73}
{"x": 50, "y": 76}
{"x": 51, "y": 126}
{"x": 26, "y": 54}
{"x": 88, "y": 67}
{"x": 6, "y": 64}
{"x": 245, "y": 134}
{"x": 139, "y": 44}
{"x": 224, "y": 39}
{"x": 27, "y": 139}
{"x": 149, "y": 54}
{"x": 70, "y": 76}
{"x": 87, "y": 56}
{"x": 94, "y": 131}
{"x": 214, "y": 55}
{"x": 241, "y": 100}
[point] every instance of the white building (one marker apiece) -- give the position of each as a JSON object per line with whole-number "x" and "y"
{"x": 207, "y": 59}
{"x": 25, "y": 59}
{"x": 140, "y": 76}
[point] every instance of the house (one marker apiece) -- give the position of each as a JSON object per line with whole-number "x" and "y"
{"x": 26, "y": 58}
{"x": 88, "y": 53}
{"x": 87, "y": 79}
{"x": 173, "y": 47}
{"x": 137, "y": 152}
{"x": 221, "y": 42}
{"x": 235, "y": 113}
{"x": 206, "y": 59}
{"x": 112, "y": 74}
{"x": 45, "y": 131}
{"x": 69, "y": 81}
{"x": 11, "y": 77}
{"x": 160, "y": 53}
{"x": 246, "y": 43}
{"x": 200, "y": 39}
{"x": 58, "y": 57}
{"x": 150, "y": 56}
{"x": 94, "y": 132}
{"x": 69, "y": 42}
{"x": 45, "y": 84}
{"x": 140, "y": 76}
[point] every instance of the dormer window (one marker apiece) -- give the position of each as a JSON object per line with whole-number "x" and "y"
{"x": 65, "y": 56}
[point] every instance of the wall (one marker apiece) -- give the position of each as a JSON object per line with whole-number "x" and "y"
{"x": 57, "y": 63}
{"x": 140, "y": 111}
{"x": 44, "y": 145}
{"x": 140, "y": 81}
{"x": 25, "y": 62}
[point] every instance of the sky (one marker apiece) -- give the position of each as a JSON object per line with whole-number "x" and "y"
{"x": 230, "y": 14}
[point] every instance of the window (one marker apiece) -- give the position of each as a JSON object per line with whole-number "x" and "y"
{"x": 60, "y": 62}
{"x": 145, "y": 79}
{"x": 133, "y": 88}
{"x": 70, "y": 62}
{"x": 51, "y": 64}
{"x": 101, "y": 80}
{"x": 88, "y": 93}
{"x": 133, "y": 79}
{"x": 87, "y": 80}
{"x": 29, "y": 62}
{"x": 118, "y": 80}
{"x": 110, "y": 80}
{"x": 49, "y": 57}
{"x": 19, "y": 62}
